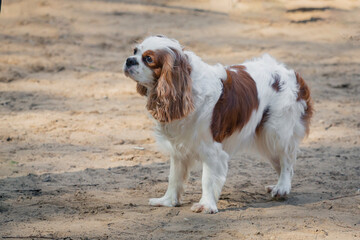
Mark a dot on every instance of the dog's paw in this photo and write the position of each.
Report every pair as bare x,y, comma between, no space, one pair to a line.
279,190
205,208
163,202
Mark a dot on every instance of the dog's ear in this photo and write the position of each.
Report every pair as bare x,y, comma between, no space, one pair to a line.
141,89
171,98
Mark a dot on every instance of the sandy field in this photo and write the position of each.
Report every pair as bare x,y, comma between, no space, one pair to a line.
77,155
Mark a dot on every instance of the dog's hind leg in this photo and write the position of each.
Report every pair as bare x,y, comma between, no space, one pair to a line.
283,186
282,156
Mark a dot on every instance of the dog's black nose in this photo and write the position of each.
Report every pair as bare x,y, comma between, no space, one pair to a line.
131,61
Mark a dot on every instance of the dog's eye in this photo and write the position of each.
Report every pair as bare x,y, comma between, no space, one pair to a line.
148,59
135,51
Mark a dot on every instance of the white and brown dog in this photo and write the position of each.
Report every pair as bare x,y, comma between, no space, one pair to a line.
207,113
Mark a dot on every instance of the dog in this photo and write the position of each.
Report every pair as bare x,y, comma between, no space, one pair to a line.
207,113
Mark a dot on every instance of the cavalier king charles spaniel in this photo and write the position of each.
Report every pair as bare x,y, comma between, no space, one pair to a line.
207,113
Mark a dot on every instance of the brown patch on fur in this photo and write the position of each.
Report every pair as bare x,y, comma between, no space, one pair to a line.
263,120
141,89
304,94
171,97
236,103
276,84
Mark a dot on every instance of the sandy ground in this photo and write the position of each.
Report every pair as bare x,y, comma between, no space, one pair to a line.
77,155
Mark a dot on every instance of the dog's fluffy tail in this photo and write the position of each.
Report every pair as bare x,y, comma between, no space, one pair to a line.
304,94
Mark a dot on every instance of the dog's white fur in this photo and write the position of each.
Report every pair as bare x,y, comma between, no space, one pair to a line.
190,139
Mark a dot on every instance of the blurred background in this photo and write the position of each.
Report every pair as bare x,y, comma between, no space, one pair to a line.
77,155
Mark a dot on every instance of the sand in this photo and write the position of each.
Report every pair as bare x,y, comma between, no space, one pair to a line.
78,158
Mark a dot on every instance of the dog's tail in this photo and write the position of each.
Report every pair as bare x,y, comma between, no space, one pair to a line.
304,94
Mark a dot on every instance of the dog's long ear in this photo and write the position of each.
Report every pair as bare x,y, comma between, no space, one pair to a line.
141,89
171,98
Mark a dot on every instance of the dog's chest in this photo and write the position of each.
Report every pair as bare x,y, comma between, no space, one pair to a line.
180,132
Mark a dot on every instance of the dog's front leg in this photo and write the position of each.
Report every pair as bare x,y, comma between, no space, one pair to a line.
215,167
179,168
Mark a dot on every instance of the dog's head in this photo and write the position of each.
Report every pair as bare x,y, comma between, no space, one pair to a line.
162,72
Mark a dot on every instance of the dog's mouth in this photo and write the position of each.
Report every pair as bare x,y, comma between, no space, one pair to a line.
129,72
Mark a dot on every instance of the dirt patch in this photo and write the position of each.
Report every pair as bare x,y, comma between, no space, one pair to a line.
77,155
